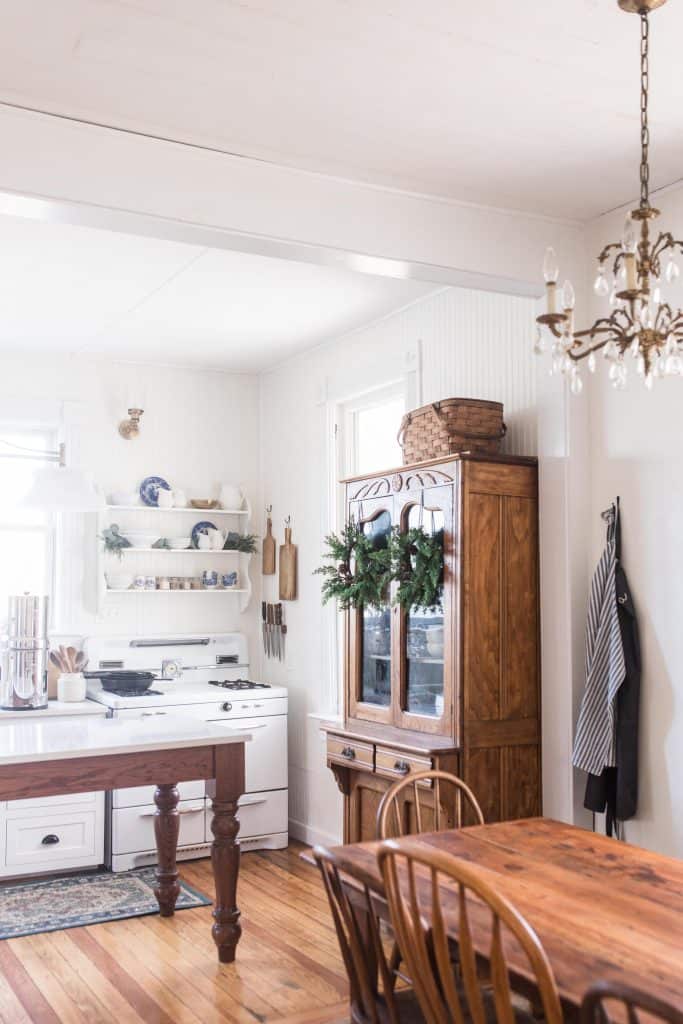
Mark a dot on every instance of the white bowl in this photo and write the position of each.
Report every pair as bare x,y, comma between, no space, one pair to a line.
119,580
123,498
141,538
179,543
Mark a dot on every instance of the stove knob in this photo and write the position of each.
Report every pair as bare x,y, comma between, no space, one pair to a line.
226,706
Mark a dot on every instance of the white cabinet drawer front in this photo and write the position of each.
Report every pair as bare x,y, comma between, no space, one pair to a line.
266,752
133,827
259,814
50,839
138,796
48,802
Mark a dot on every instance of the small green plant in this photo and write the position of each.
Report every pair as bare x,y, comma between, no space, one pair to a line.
114,543
245,543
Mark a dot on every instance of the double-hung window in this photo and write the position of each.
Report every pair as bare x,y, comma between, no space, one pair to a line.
27,535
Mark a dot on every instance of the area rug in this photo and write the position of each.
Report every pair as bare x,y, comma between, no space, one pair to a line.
50,904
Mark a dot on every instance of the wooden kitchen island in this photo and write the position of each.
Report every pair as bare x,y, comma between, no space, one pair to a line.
50,758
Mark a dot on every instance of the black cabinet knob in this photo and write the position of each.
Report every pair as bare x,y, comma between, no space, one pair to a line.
50,840
226,706
349,753
402,766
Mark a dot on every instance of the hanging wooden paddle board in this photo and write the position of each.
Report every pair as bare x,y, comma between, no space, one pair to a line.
288,567
268,551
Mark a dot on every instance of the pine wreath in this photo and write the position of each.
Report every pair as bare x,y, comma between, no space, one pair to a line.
359,569
417,558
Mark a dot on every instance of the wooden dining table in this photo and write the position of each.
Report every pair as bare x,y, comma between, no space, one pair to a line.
603,909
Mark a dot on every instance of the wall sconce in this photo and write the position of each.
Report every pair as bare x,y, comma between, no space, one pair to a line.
129,429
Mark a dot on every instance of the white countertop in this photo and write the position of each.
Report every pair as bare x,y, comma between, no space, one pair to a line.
26,741
60,708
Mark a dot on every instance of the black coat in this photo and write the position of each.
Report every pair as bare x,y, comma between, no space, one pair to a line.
615,790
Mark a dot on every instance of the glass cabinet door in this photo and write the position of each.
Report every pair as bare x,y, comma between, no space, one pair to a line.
371,637
426,633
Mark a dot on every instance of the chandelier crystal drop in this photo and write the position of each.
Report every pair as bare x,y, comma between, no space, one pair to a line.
631,276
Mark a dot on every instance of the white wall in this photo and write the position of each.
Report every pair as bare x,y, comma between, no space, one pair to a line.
198,429
637,453
460,343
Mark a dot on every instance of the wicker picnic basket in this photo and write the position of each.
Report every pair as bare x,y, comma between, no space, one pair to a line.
451,426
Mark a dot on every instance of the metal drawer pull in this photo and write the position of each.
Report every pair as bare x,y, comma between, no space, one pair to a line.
184,810
249,728
50,840
349,753
251,801
402,766
226,706
151,714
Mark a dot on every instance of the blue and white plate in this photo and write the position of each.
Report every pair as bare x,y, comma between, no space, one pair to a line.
149,490
198,528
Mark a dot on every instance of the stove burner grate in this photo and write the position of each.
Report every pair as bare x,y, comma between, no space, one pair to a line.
238,684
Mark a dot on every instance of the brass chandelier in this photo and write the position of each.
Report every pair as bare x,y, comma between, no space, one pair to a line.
640,324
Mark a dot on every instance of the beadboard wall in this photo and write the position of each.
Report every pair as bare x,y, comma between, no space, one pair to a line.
454,342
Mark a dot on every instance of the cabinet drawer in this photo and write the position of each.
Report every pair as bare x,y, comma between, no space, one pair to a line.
344,751
49,840
395,764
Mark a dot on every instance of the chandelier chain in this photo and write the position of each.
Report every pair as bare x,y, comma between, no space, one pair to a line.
644,126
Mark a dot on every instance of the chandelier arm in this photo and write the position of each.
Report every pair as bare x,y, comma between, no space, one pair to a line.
664,310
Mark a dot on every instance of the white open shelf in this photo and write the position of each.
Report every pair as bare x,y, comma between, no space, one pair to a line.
207,590
106,515
194,511
183,551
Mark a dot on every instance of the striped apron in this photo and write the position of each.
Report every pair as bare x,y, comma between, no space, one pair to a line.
595,743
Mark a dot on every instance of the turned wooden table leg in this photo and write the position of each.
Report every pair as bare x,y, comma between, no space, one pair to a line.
225,851
166,828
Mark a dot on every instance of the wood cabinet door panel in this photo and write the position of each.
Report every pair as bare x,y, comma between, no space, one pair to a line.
521,770
482,616
520,697
481,772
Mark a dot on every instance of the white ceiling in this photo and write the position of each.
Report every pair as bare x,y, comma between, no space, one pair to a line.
66,289
531,105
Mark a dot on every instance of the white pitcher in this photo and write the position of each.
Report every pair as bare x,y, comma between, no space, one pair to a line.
230,496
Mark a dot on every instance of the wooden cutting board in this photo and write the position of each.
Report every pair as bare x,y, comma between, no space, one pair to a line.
288,557
268,550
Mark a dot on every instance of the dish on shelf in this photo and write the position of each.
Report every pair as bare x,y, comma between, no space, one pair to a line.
118,580
202,527
179,543
149,490
141,538
203,503
123,498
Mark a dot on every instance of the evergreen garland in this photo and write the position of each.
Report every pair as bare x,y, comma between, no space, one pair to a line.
359,569
417,559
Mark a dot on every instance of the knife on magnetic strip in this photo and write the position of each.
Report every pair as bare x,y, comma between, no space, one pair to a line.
278,630
271,631
264,627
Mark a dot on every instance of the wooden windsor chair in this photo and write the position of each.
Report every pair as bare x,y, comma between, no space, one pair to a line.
429,812
413,875
373,997
626,1006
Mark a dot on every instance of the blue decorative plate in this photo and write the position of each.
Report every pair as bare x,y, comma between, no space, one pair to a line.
200,528
149,490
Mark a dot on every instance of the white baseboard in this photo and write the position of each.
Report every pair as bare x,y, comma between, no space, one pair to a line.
311,836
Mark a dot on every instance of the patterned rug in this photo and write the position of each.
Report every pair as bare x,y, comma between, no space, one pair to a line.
50,904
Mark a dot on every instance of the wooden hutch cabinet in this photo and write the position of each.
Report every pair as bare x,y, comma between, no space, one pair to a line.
457,688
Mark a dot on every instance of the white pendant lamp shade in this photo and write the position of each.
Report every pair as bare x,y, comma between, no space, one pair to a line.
58,488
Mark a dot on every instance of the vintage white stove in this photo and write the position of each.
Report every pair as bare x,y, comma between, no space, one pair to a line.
207,677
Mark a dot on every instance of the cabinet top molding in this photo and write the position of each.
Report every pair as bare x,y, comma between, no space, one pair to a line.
508,460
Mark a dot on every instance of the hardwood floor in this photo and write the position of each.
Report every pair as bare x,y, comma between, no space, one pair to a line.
151,970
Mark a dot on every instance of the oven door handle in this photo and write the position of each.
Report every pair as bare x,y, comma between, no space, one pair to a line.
184,810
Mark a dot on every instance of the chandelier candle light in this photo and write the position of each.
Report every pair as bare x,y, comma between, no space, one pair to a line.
629,271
